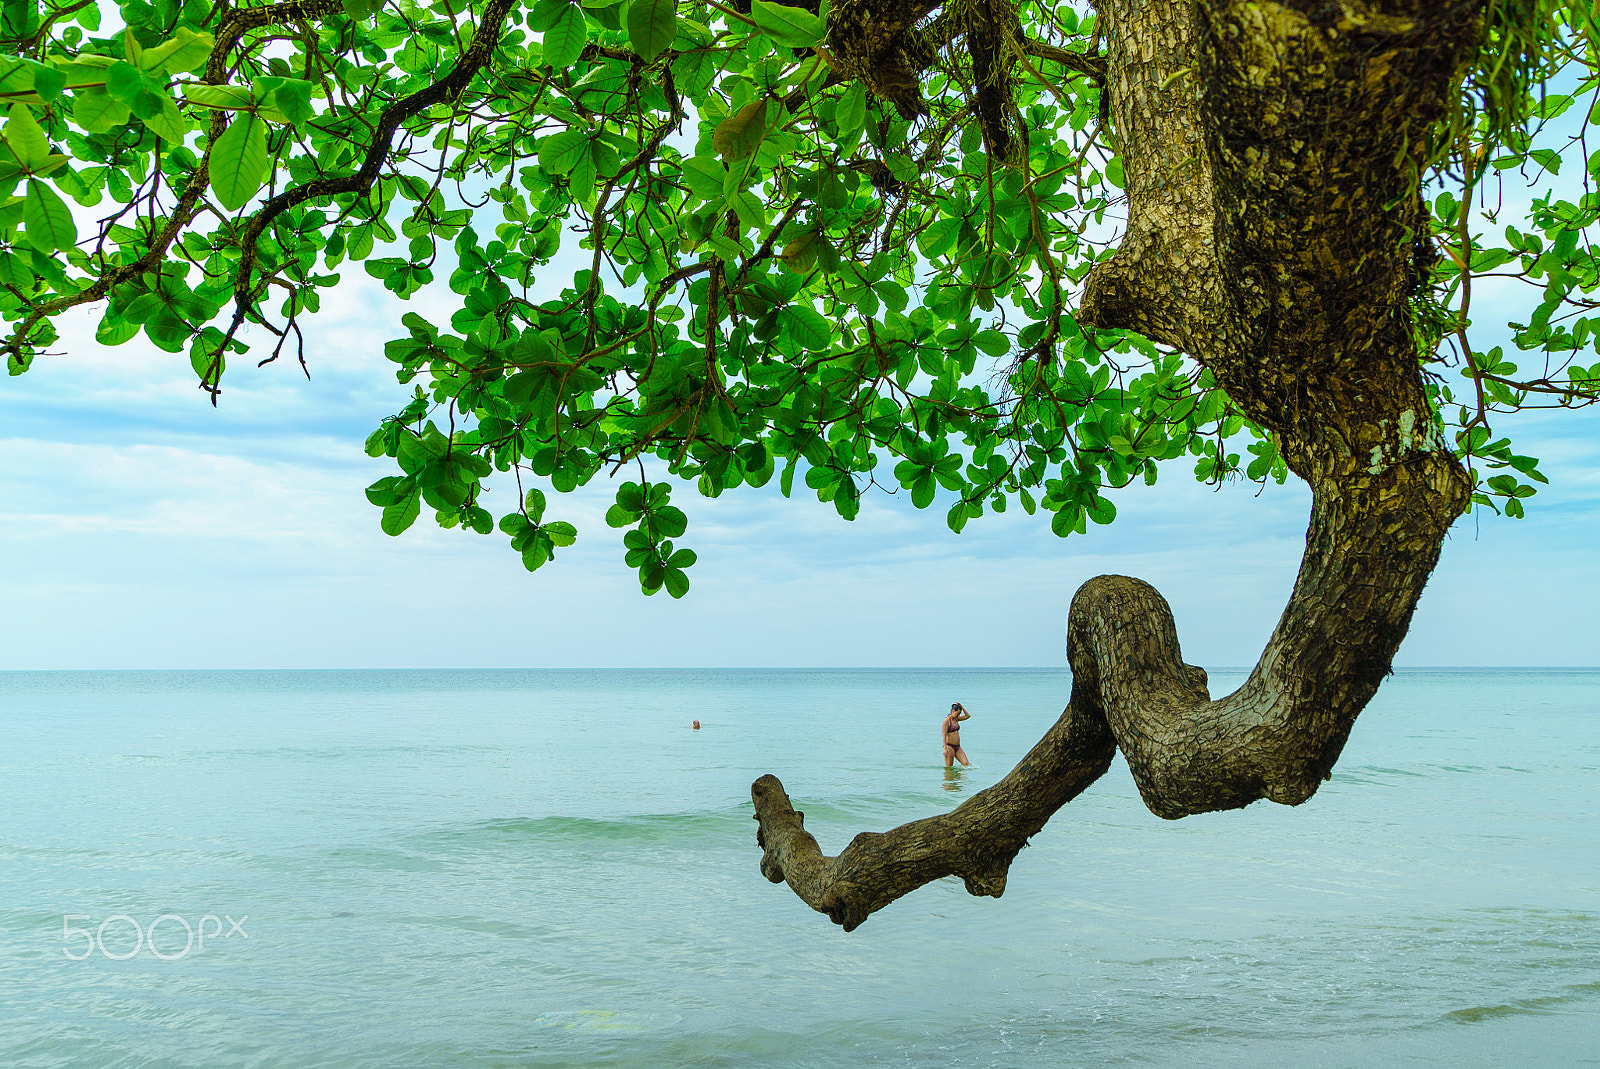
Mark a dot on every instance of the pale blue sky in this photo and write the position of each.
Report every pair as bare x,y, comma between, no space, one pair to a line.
144,529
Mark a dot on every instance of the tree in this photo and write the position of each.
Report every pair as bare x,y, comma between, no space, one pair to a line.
1017,252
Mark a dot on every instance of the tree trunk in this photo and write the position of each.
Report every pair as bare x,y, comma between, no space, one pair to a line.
1272,153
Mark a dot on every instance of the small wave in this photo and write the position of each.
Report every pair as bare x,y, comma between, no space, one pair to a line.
1377,773
491,926
605,1021
1537,1007
731,824
653,828
383,858
896,806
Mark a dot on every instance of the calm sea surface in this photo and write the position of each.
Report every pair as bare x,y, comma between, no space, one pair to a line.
551,869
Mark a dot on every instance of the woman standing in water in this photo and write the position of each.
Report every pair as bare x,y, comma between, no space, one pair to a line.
952,736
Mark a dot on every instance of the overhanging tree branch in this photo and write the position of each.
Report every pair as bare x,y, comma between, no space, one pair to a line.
977,841
235,24
477,53
1273,157
1267,237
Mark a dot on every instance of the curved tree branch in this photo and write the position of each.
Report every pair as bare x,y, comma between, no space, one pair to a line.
472,59
976,841
241,20
1091,66
466,68
1271,157
235,25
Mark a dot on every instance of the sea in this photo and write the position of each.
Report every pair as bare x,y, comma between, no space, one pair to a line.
361,869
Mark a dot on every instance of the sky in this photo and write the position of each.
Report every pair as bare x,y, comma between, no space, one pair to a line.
143,528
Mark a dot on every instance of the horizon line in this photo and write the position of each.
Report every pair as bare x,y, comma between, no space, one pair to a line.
772,668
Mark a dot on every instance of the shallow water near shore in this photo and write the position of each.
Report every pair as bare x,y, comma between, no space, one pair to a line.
553,869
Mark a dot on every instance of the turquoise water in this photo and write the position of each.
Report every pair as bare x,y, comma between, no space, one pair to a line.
552,869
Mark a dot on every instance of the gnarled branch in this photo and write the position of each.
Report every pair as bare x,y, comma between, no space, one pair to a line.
976,841
238,22
472,59
1268,153
1091,66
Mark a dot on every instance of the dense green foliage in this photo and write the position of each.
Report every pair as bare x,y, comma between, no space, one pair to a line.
681,247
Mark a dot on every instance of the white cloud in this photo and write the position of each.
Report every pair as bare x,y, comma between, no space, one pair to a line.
143,528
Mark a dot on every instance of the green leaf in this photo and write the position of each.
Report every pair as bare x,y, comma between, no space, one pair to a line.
740,134
23,80
114,331
47,218
390,490
560,153
677,582
564,40
992,342
168,123
806,326
939,238
851,112
669,522
207,363
1548,158
293,98
48,83
652,25
631,497
239,161
97,111
705,176
184,51
134,88
170,331
235,97
535,554
792,26
25,139
1101,510
398,517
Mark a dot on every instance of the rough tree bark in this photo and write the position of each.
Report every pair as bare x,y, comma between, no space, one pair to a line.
1271,152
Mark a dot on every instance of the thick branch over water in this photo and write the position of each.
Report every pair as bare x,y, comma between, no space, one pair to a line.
1270,151
976,841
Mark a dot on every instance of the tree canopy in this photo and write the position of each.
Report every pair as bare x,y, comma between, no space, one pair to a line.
1018,252
719,243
